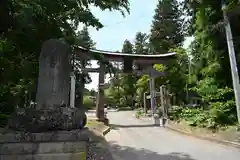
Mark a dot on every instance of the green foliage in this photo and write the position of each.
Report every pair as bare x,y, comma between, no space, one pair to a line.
210,91
141,44
166,31
217,114
174,112
127,82
139,113
27,24
83,39
88,102
202,70
159,67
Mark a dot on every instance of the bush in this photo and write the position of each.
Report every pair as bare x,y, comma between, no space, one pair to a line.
174,113
139,113
218,115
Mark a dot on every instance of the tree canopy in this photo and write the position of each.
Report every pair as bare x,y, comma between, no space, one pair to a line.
26,25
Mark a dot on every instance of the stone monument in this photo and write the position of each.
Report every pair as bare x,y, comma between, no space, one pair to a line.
52,111
51,129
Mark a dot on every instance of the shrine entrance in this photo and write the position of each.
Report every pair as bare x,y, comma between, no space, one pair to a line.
55,98
146,62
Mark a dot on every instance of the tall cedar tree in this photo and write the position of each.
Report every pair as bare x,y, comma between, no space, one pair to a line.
140,45
82,39
166,32
129,80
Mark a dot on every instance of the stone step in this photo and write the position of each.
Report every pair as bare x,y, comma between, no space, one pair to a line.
52,156
43,148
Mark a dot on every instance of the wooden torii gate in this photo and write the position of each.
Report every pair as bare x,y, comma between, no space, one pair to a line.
145,60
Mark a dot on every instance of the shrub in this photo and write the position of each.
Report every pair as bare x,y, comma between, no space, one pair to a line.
139,113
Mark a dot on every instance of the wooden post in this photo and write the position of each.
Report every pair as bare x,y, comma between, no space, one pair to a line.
162,100
100,96
152,94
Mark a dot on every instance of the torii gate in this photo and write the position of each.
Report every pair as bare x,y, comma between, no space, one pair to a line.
145,60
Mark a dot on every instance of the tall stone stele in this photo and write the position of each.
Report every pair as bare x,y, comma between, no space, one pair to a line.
54,75
52,111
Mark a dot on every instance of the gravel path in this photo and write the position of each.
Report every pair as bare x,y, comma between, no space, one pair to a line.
133,139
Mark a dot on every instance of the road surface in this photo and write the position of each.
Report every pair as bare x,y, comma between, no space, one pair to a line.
133,139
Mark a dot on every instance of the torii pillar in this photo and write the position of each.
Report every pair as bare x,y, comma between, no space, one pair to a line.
100,95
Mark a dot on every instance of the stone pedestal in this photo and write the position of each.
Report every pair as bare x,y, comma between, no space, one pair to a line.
163,122
36,120
61,145
156,120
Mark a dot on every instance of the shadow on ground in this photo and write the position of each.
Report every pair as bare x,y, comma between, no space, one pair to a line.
100,149
130,153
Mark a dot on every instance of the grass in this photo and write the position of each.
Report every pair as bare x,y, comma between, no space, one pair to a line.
97,144
95,125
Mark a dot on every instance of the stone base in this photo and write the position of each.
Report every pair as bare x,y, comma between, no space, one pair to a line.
156,121
163,122
52,156
56,136
106,121
36,120
61,145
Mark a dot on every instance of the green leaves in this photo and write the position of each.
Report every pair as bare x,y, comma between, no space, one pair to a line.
27,24
166,31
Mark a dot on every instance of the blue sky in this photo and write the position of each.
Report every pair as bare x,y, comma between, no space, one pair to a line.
118,28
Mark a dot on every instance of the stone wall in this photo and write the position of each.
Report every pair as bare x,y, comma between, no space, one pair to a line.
61,145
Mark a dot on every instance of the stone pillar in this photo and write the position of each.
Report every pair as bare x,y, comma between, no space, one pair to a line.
145,102
100,96
152,94
72,90
54,75
162,101
155,117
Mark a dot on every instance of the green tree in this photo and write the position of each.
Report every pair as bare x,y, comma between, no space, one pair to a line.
122,88
141,43
27,24
82,39
141,46
166,31
167,34
210,63
128,81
